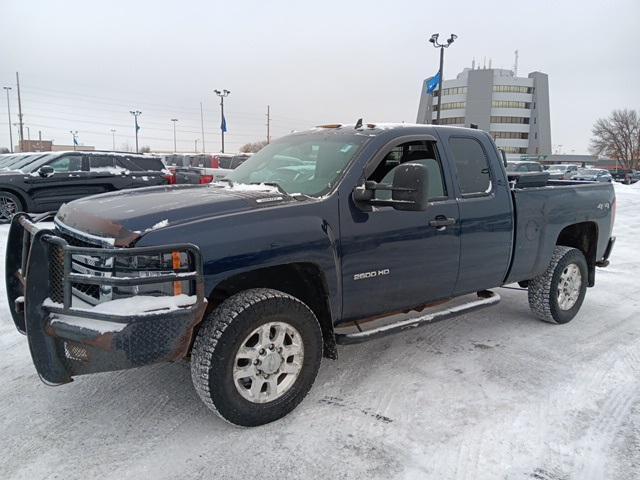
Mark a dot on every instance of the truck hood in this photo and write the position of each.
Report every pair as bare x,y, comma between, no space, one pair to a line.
123,217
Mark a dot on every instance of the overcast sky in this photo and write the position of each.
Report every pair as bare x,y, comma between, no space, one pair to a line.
84,65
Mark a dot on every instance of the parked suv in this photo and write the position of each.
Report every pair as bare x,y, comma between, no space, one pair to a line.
42,182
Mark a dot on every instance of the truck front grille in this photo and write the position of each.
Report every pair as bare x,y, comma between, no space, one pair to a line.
88,264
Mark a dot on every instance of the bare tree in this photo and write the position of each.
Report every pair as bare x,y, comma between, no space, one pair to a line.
145,149
618,137
253,147
4,150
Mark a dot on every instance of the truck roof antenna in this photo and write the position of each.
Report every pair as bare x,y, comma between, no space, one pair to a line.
358,124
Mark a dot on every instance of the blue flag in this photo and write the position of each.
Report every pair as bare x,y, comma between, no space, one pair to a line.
223,124
433,82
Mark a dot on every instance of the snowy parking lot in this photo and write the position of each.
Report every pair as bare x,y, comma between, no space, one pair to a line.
494,394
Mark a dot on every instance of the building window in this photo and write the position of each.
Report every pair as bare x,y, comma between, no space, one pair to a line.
510,135
512,89
454,91
452,121
452,105
520,150
510,104
471,165
502,119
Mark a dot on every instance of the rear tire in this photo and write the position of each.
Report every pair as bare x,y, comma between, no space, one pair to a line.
9,206
556,295
258,338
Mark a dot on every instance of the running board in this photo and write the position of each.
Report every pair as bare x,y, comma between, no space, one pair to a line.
486,298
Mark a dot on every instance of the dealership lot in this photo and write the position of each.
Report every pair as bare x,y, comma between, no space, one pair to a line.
494,394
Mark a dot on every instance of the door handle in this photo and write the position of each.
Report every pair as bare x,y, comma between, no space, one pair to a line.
441,222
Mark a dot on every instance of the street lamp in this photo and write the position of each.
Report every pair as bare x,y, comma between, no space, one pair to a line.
9,113
174,120
223,122
74,134
441,46
113,139
136,114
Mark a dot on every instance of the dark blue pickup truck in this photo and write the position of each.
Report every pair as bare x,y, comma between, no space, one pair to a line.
335,235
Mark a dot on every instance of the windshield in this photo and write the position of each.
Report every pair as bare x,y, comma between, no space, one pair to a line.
587,171
19,161
516,167
309,164
31,164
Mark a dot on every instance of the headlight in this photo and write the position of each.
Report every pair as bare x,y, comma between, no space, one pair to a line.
153,266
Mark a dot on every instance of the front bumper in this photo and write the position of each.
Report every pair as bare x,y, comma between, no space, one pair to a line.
68,338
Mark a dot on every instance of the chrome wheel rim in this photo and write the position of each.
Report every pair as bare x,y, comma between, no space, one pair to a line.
268,362
569,286
8,208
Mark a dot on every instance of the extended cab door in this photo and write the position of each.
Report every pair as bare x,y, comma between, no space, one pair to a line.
486,216
394,260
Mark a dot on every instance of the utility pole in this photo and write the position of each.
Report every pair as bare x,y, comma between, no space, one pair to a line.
9,114
136,114
113,139
175,148
441,46
19,110
196,143
223,121
74,134
202,126
268,124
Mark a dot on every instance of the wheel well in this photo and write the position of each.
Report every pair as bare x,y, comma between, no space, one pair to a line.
304,281
584,237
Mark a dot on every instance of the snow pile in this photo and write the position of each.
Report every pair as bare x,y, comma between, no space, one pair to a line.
161,224
245,187
141,304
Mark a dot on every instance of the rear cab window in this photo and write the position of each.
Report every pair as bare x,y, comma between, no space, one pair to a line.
472,166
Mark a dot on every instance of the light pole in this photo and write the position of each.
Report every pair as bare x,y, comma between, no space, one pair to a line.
441,46
136,114
175,148
196,143
113,139
223,121
9,113
74,134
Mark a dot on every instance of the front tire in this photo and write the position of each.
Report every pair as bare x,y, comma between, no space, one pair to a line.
256,356
556,295
9,206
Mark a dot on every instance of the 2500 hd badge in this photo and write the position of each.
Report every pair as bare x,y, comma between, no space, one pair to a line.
375,273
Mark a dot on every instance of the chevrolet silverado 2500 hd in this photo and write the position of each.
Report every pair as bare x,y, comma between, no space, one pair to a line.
334,235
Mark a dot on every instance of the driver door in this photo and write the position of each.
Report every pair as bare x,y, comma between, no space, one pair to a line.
394,260
68,182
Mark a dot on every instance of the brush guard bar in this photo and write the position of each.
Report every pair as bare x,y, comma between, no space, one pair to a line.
65,340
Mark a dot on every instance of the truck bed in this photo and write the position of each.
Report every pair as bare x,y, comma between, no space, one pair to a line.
542,213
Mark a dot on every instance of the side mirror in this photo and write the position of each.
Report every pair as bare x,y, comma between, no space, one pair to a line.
409,190
46,171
